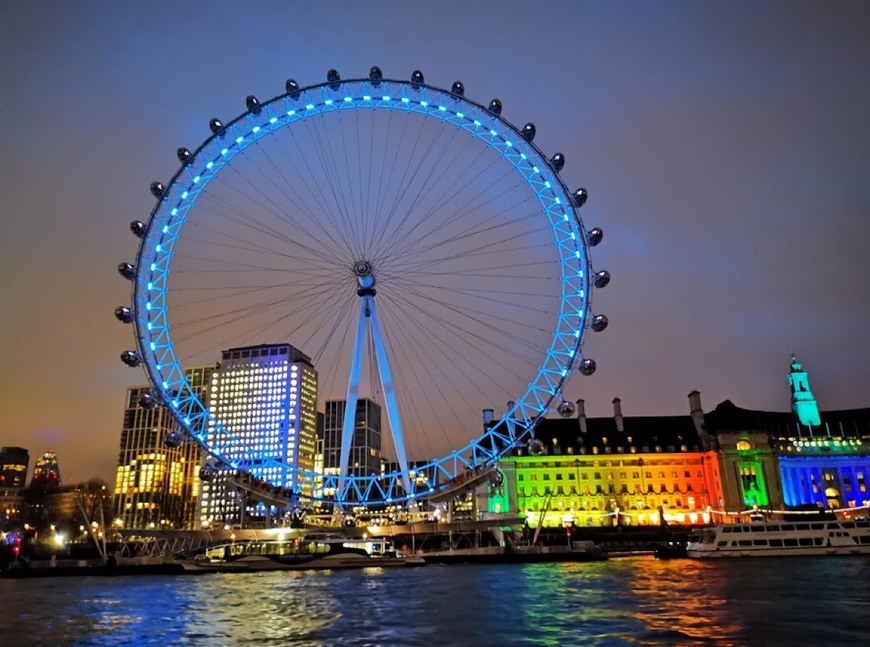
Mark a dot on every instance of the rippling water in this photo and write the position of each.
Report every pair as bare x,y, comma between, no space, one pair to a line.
790,601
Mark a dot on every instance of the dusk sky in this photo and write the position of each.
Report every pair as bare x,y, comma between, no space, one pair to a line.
725,148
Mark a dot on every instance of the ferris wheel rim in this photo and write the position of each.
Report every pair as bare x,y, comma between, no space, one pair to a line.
497,440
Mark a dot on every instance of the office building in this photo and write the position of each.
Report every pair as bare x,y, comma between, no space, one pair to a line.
14,462
157,485
265,399
46,472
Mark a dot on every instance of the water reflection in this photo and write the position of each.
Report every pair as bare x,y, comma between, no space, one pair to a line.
621,602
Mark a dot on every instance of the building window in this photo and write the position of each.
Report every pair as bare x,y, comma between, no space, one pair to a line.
743,446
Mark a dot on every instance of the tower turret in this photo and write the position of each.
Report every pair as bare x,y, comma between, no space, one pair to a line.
803,403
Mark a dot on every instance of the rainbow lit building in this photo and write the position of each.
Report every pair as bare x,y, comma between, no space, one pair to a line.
595,471
690,469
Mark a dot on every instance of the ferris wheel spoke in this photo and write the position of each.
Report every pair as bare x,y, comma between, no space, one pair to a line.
414,164
336,185
467,179
298,197
469,253
430,290
466,205
428,182
246,219
314,185
475,342
408,358
445,266
490,224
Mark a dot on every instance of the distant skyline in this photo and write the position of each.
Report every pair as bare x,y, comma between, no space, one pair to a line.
725,148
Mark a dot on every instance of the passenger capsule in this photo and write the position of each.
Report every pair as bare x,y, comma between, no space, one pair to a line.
183,155
416,79
536,447
124,314
528,132
579,197
602,278
599,323
496,478
131,358
127,271
253,104
216,127
157,189
173,440
595,235
587,367
566,408
375,74
495,107
138,228
458,88
207,472
334,79
557,162
147,401
292,88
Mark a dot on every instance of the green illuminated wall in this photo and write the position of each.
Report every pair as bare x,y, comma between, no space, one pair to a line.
753,488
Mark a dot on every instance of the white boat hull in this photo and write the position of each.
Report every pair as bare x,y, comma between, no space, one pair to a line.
782,539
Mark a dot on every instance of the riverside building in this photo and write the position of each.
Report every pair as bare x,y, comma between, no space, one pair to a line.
157,485
265,397
46,472
365,448
691,469
603,471
14,462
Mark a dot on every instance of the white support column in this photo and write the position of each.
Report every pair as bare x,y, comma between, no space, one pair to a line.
352,396
390,400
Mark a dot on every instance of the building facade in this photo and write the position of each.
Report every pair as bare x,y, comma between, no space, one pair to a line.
608,471
265,398
365,448
156,485
690,469
46,471
14,462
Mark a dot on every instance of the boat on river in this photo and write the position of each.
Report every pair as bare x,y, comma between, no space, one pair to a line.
782,538
316,551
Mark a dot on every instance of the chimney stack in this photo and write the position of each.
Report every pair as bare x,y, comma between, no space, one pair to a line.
581,415
695,402
697,413
617,414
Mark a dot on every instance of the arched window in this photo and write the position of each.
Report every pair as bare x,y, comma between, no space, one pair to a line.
744,446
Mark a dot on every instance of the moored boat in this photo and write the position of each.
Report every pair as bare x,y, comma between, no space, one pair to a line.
774,539
310,552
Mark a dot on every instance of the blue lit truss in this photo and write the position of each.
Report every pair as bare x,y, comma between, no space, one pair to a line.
154,263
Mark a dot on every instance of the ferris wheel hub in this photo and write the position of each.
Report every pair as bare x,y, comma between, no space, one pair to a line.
365,278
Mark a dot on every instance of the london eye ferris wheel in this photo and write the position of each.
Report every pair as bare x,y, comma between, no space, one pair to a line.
419,247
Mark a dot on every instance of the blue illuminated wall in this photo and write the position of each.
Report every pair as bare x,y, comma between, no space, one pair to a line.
825,480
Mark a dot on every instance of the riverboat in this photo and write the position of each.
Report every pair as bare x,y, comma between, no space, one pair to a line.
310,552
783,538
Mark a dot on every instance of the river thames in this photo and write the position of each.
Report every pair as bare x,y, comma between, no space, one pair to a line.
631,601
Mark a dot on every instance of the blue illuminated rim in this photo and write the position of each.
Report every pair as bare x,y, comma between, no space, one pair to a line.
153,268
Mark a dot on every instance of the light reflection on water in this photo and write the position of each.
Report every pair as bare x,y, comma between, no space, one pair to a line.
797,601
